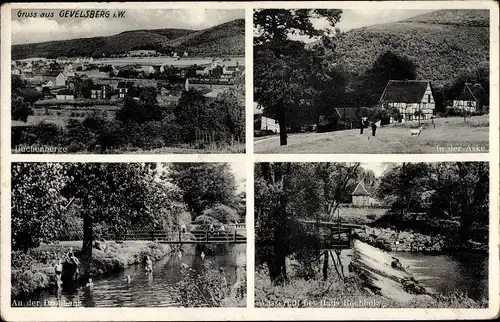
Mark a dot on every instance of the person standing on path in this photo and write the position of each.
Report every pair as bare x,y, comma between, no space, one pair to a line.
374,128
361,125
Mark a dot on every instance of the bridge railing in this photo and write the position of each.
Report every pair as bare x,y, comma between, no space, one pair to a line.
187,237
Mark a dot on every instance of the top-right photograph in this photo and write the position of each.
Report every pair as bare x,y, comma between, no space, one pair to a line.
381,81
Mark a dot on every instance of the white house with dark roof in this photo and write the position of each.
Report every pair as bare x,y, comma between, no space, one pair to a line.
472,98
413,98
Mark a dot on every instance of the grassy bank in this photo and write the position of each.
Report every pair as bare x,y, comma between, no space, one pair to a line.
335,293
35,270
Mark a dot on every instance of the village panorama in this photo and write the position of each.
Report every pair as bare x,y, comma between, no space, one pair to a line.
140,91
417,82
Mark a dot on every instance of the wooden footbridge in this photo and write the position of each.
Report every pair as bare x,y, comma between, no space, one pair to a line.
333,234
189,237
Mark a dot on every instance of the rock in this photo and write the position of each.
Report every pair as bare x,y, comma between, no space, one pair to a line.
367,290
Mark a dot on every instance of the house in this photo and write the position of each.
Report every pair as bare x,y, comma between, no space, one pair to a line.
472,98
349,117
123,88
364,196
100,92
185,54
413,98
202,70
263,123
49,84
61,79
62,59
65,94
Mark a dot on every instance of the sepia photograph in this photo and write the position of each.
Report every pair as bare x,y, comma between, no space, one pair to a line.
128,81
372,235
128,235
371,80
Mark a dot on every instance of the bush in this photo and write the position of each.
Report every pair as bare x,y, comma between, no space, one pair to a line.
208,288
28,281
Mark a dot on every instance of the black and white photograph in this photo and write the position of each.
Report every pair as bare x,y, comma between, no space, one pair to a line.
146,81
128,235
370,80
372,235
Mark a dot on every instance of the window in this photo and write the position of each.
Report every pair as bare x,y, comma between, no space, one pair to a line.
428,98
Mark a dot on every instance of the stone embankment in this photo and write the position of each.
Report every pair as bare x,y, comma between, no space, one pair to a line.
404,241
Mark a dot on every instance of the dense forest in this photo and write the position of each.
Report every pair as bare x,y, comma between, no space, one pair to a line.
223,40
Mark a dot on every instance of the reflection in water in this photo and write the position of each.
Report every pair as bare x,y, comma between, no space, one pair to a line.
157,289
464,272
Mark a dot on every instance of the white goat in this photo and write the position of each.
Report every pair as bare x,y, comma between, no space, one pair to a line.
416,132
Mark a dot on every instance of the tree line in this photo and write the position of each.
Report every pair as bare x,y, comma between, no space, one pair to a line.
143,123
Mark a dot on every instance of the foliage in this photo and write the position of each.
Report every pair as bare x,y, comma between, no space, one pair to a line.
459,40
285,71
37,205
444,193
387,66
20,110
223,213
208,288
203,185
286,193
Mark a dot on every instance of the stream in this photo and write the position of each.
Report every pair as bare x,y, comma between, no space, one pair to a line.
445,273
144,290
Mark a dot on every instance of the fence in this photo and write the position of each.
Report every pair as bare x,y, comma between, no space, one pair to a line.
192,237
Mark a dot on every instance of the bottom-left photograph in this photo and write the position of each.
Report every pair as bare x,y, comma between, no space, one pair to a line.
128,235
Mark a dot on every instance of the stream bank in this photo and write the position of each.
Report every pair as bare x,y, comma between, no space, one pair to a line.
35,271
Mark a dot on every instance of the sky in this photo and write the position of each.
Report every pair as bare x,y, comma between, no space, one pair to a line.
39,29
356,18
377,167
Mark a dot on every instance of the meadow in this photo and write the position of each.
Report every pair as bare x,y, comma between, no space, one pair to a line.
446,135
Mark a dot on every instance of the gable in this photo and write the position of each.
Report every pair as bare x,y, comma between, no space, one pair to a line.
360,190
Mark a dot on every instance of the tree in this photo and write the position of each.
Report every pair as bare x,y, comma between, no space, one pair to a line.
456,192
286,194
277,79
388,66
203,185
37,205
116,193
191,113
20,110
223,213
144,110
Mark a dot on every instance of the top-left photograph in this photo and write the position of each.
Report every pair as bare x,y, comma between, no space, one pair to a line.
111,81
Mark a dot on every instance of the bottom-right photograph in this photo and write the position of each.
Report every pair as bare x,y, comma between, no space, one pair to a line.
371,234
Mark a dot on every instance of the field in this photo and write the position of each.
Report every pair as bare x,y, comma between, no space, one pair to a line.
184,62
450,135
361,216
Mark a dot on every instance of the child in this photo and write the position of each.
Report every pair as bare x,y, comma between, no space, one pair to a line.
149,265
89,284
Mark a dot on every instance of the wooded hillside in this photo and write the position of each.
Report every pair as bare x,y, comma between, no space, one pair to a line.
442,44
222,40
